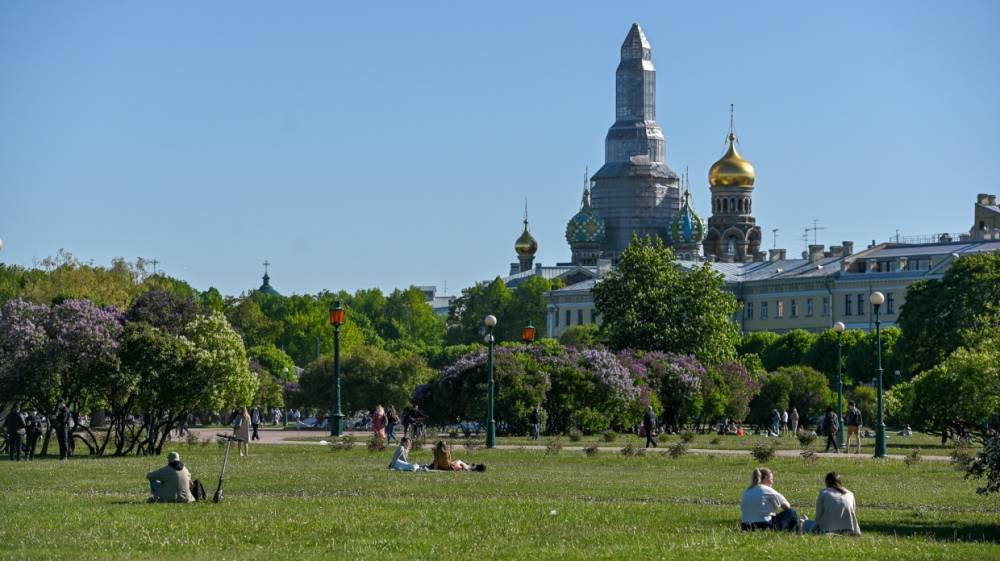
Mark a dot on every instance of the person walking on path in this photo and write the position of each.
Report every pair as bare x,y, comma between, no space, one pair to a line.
379,422
836,512
241,430
793,420
830,426
62,425
392,419
255,422
536,423
649,425
854,423
16,428
33,424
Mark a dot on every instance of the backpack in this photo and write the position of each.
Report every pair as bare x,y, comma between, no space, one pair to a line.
198,490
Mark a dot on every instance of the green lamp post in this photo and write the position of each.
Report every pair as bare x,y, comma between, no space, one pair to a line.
491,425
337,318
839,328
876,299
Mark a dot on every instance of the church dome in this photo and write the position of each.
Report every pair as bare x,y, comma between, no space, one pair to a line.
687,227
586,226
732,170
526,244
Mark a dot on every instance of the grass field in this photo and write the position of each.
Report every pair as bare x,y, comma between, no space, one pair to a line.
308,502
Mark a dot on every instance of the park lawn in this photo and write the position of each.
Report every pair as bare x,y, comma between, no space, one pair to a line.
310,502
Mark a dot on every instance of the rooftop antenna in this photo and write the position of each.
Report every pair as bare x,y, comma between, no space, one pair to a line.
815,228
805,238
774,232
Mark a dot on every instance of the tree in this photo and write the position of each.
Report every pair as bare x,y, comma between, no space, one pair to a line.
274,361
939,314
163,309
774,394
788,349
741,387
650,303
582,336
809,390
860,362
756,342
823,354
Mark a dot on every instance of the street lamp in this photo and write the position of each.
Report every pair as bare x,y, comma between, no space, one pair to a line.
337,318
528,333
839,328
491,426
876,299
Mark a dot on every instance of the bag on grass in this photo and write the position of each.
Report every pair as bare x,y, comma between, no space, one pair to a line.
198,490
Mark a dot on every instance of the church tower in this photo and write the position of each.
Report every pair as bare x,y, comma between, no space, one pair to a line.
585,231
525,246
635,192
687,229
733,235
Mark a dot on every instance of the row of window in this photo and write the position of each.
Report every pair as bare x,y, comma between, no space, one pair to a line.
861,301
579,317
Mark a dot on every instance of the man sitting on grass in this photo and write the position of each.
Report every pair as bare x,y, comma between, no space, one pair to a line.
171,483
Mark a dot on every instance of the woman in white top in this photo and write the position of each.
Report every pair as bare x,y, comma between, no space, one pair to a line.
763,508
400,461
835,508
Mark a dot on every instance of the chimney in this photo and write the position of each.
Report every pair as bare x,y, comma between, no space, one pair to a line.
777,254
760,256
836,251
815,253
848,248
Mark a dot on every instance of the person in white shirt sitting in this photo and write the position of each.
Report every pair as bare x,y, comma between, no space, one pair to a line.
763,508
400,460
835,509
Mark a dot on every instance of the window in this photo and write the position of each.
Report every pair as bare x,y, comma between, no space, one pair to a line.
569,319
557,318
861,304
890,304
763,310
579,317
749,310
809,307
795,308
826,306
781,309
847,304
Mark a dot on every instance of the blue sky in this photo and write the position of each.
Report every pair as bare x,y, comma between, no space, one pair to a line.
378,144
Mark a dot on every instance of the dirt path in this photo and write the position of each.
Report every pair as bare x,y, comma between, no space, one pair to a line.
278,436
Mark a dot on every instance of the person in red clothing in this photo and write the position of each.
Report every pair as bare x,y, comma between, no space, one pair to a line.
379,422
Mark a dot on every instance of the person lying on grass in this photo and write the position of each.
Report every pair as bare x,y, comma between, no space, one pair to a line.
443,461
763,508
400,458
171,483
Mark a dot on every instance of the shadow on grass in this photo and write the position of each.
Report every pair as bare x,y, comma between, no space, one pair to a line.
989,533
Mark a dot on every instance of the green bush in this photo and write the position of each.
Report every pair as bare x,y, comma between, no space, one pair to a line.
764,451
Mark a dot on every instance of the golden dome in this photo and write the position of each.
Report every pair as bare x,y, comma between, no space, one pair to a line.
526,244
732,170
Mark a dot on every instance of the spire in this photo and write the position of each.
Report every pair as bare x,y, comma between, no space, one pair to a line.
266,277
526,214
732,125
636,46
585,203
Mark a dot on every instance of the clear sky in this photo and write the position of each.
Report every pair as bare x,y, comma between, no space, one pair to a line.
359,144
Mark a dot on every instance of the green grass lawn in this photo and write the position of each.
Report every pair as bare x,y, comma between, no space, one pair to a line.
310,502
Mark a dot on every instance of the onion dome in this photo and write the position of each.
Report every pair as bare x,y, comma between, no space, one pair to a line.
586,226
732,170
687,227
526,244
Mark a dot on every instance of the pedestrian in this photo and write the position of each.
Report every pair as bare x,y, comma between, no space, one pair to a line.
16,428
793,419
836,511
775,422
255,422
407,421
62,424
784,420
392,419
854,422
536,423
829,427
241,430
649,425
379,422
763,508
34,430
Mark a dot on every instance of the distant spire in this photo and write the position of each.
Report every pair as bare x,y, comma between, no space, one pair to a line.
526,214
266,265
585,203
732,123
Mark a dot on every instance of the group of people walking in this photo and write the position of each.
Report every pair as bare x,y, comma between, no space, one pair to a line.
762,507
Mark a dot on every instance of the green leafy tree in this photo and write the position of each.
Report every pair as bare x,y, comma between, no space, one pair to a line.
823,354
809,392
860,362
582,336
756,342
512,308
939,315
650,303
274,361
773,395
212,299
789,349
